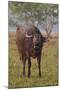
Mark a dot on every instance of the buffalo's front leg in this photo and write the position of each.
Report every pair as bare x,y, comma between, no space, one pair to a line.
39,64
29,67
24,63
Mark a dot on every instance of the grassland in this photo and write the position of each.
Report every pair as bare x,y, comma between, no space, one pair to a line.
49,66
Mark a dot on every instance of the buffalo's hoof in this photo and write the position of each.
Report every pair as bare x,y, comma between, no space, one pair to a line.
28,76
39,75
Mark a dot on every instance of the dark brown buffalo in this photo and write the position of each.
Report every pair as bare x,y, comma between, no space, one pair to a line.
29,42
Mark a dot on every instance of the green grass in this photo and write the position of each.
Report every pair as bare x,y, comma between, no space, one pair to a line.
49,66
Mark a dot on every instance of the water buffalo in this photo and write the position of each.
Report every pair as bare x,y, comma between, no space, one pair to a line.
29,42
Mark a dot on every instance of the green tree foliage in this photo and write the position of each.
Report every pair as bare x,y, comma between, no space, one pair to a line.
32,12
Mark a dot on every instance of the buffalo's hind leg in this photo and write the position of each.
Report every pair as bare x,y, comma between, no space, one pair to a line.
29,67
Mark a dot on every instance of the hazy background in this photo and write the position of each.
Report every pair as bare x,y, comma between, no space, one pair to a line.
44,16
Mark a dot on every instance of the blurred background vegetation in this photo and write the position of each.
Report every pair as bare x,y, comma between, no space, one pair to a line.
42,15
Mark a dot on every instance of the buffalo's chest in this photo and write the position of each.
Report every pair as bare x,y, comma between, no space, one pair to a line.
27,44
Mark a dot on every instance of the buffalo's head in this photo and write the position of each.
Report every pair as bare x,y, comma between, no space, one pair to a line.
37,45
37,41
